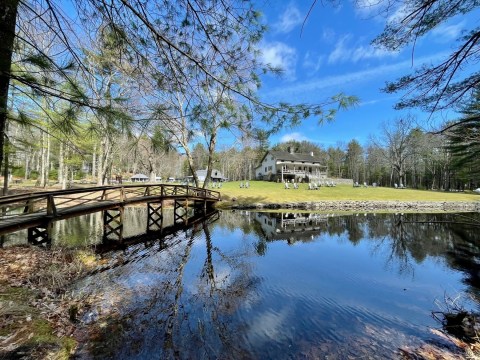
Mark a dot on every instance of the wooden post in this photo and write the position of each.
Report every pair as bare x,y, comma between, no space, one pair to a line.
104,195
51,209
40,235
155,216
28,207
180,211
113,224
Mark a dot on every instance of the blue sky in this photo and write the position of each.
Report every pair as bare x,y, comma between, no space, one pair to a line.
333,55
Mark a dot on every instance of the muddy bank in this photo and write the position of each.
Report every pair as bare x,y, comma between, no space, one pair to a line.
369,205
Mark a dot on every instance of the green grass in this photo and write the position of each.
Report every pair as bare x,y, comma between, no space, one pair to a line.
270,192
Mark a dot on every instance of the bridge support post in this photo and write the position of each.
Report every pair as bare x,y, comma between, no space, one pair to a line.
180,211
113,224
40,235
155,216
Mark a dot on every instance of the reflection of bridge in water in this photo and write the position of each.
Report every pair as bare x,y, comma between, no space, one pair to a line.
195,223
38,211
280,226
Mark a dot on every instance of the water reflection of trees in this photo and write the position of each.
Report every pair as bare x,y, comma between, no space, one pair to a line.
186,312
408,238
193,305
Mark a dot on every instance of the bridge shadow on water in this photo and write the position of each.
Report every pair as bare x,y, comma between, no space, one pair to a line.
194,223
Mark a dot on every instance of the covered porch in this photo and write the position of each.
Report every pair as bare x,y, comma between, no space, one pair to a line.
300,171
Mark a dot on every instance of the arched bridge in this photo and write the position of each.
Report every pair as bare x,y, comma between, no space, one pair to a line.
37,211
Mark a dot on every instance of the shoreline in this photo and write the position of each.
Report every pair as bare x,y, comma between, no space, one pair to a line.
364,205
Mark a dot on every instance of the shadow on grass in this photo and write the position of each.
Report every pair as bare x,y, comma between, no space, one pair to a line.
228,201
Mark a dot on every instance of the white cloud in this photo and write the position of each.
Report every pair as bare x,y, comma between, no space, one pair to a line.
328,35
280,55
268,326
341,52
369,52
289,20
344,51
313,86
293,136
312,62
369,8
447,33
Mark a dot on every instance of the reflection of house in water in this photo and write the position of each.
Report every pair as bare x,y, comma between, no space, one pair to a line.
291,227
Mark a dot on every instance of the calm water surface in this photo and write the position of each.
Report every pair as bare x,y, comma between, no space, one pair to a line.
283,286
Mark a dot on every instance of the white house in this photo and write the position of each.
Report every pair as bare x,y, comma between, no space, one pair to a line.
216,176
139,178
288,166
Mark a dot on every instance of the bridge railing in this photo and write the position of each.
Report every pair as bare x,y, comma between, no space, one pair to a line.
51,201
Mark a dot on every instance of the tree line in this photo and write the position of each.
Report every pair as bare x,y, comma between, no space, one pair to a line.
95,88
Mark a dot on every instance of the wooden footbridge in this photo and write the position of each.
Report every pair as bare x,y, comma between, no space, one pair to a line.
37,211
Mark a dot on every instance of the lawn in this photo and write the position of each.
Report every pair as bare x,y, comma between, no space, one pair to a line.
270,192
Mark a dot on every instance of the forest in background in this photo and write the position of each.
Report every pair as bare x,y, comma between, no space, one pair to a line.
98,89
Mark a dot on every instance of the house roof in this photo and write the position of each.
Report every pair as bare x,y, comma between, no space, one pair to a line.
203,173
298,157
140,176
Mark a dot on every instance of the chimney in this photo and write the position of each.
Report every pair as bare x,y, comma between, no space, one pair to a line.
311,154
290,150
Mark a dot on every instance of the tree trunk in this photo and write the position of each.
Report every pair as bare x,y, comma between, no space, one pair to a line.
8,19
61,164
47,160
65,171
94,161
5,168
41,176
211,150
191,166
103,159
27,163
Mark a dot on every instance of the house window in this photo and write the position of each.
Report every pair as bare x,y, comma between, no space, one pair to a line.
271,158
266,169
269,168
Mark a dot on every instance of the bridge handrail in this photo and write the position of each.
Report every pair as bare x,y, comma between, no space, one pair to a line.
146,190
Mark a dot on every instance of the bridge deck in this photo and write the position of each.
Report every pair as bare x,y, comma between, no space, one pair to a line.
37,209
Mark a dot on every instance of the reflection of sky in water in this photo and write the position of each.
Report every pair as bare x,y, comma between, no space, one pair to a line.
317,296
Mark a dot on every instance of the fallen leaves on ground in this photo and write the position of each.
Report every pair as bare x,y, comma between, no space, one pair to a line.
33,299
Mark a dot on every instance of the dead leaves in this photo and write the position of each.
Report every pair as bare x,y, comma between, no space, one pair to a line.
33,284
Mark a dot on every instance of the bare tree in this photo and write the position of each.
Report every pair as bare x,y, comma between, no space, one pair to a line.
394,142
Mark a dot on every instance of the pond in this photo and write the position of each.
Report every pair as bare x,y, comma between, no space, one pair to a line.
259,285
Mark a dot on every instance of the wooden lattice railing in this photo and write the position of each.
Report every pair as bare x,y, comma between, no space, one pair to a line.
49,202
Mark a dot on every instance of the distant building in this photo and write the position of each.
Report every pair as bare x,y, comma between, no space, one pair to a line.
139,177
288,166
216,176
